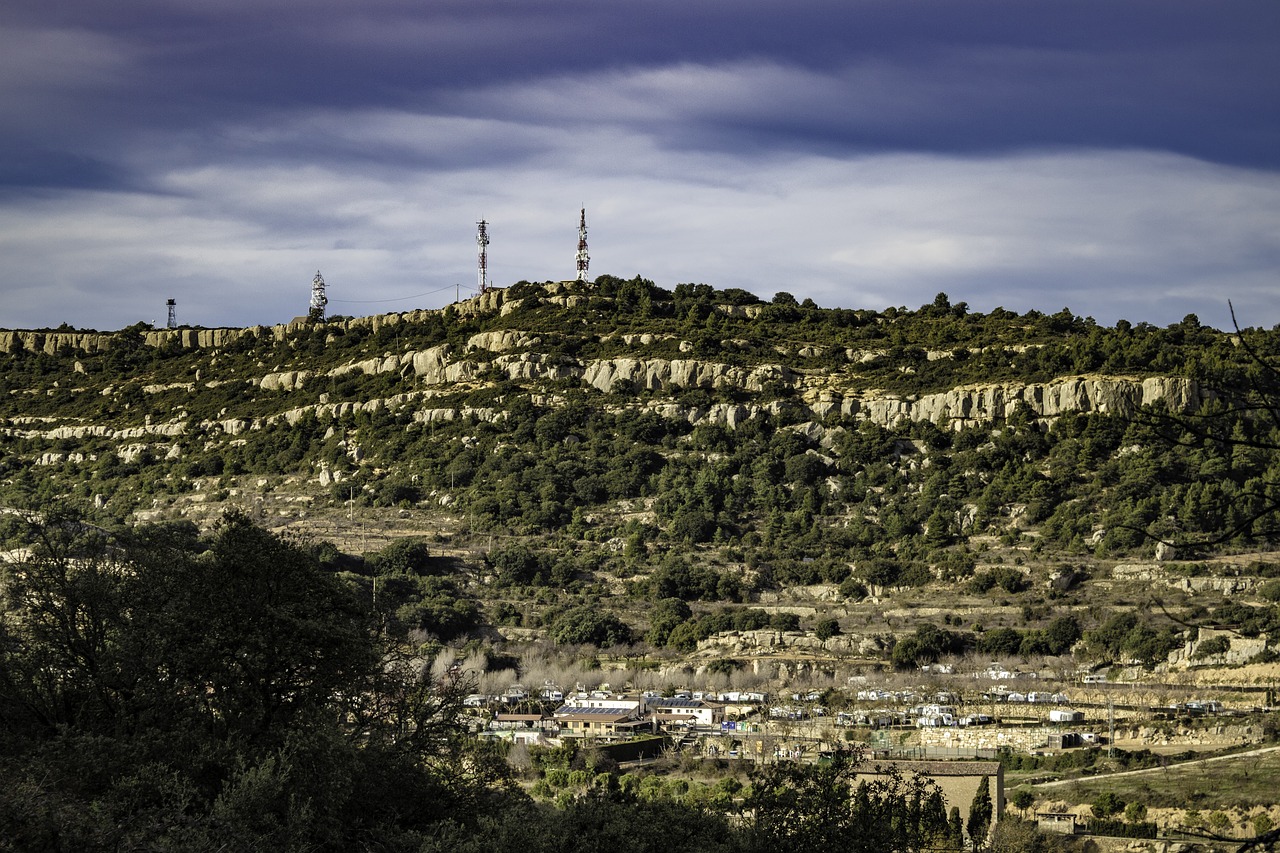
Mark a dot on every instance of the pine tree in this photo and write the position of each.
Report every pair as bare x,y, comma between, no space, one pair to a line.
955,829
980,814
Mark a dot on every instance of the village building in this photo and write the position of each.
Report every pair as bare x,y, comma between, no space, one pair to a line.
529,729
604,719
688,712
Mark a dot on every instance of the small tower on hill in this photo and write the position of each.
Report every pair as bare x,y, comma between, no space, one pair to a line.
583,258
482,241
318,299
172,305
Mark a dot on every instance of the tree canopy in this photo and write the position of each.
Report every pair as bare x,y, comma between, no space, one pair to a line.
159,688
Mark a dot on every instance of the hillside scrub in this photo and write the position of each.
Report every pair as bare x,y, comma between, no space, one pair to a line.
767,445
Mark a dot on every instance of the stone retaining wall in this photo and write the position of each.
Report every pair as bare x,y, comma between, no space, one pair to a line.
986,737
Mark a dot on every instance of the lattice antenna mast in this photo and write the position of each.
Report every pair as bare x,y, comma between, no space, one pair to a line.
318,299
482,241
583,258
173,319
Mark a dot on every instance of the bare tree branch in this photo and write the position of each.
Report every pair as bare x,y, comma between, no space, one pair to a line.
1217,422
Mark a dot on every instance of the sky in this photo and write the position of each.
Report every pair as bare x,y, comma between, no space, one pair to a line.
1117,158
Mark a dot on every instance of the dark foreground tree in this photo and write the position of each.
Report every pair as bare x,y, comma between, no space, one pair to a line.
818,809
159,689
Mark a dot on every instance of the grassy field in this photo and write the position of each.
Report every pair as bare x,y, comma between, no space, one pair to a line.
1241,782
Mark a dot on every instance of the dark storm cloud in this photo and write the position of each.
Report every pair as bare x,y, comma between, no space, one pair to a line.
864,153
1194,78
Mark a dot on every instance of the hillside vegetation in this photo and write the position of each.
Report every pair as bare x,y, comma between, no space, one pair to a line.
669,463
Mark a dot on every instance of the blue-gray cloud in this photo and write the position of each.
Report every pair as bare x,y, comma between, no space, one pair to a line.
1119,158
926,76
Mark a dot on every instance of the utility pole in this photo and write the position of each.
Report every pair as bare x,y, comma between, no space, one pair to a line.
1111,727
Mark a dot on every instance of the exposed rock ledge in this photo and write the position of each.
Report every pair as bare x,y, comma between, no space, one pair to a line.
959,407
973,404
987,403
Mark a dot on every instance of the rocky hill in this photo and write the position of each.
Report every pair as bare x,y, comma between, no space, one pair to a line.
689,460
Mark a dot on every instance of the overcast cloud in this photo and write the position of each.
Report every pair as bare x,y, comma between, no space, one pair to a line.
1121,159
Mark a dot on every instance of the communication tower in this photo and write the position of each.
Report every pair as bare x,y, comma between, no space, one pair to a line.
173,320
318,299
482,241
583,258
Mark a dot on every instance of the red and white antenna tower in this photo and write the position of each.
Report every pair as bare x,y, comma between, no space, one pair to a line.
482,240
583,258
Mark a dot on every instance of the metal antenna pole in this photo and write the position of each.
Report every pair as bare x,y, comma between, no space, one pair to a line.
583,258
482,241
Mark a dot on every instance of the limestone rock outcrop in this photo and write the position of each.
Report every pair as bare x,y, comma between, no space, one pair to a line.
288,380
501,341
657,374
980,404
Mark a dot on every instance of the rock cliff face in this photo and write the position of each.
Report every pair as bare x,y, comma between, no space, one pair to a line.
1238,650
826,394
989,403
289,380
502,341
51,343
168,429
957,408
656,374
